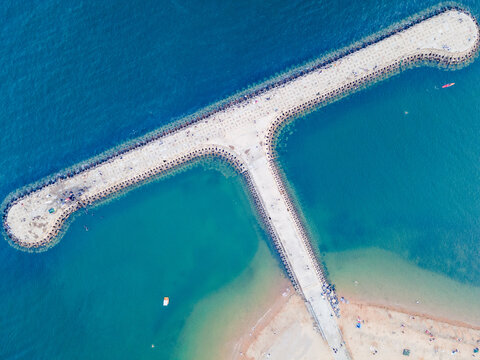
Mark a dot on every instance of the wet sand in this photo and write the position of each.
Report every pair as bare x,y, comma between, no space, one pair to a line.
215,323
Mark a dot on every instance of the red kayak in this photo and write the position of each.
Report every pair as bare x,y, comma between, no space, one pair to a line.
447,85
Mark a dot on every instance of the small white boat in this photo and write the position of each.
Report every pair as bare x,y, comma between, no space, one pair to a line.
166,300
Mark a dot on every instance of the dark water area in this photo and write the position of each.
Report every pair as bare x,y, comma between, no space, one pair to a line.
78,79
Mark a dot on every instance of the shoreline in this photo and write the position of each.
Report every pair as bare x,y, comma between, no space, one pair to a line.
288,311
381,328
217,321
383,278
252,332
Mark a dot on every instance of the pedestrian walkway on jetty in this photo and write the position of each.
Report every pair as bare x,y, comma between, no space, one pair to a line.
243,132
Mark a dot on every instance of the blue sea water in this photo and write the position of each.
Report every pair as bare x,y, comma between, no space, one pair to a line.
77,78
99,294
402,174
396,168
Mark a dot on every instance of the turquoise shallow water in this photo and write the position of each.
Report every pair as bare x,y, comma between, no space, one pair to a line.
99,294
382,277
400,174
77,79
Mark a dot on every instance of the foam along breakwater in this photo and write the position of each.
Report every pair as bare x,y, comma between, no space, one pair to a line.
243,132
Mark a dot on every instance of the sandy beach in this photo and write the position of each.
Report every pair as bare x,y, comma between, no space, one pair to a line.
284,331
288,332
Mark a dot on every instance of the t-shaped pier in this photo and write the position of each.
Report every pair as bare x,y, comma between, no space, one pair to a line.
243,132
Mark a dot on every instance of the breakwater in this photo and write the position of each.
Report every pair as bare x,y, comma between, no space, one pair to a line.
243,132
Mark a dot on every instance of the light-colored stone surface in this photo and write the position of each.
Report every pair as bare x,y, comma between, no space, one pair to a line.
243,130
